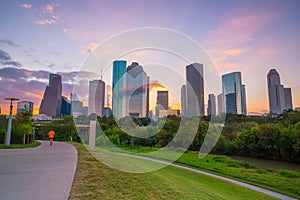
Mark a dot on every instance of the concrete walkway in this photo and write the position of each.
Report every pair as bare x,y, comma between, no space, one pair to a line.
256,188
45,172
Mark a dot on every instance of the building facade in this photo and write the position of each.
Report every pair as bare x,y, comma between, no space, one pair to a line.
162,101
234,96
96,97
195,90
51,102
211,109
119,70
135,91
221,109
25,105
288,99
183,100
280,98
65,106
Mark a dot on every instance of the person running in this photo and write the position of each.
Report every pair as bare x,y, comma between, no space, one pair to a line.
51,135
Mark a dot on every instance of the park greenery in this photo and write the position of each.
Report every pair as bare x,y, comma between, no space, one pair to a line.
21,125
274,137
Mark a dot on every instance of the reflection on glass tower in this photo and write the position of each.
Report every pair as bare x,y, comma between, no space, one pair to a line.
234,96
195,90
119,69
135,91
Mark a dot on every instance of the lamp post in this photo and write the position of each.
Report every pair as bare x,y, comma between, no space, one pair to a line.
9,120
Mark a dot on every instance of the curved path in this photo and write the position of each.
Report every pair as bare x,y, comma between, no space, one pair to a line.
256,188
45,172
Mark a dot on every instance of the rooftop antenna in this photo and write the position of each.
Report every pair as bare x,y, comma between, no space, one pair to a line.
101,75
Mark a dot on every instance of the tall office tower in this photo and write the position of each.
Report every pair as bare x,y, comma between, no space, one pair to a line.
232,93
148,96
183,100
195,90
51,102
275,92
288,99
135,91
211,109
220,104
162,101
96,97
76,105
25,105
65,106
119,69
244,102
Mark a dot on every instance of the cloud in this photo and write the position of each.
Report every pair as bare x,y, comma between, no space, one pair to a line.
46,21
64,30
48,8
26,5
90,47
233,52
50,17
5,59
30,85
9,43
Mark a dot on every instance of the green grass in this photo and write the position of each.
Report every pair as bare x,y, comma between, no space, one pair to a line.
283,181
94,180
20,146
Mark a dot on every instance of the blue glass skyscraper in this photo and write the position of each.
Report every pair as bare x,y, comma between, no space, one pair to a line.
234,93
119,69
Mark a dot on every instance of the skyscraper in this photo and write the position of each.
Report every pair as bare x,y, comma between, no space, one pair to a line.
162,101
211,109
220,104
51,102
119,69
183,100
96,97
288,98
195,90
25,105
135,91
234,95
65,106
275,92
244,102
148,96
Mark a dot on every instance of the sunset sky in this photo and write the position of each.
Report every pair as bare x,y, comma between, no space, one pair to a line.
40,37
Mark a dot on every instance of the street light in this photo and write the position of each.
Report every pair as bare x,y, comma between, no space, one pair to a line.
9,120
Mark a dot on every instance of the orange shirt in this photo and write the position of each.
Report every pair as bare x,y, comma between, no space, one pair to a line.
51,134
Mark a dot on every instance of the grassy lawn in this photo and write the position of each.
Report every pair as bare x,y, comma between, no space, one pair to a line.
276,178
94,180
19,146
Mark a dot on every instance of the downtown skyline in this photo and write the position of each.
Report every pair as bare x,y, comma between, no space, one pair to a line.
55,37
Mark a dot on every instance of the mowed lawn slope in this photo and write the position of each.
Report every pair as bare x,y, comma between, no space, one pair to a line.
94,180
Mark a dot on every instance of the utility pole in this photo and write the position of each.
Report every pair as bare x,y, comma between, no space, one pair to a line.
8,134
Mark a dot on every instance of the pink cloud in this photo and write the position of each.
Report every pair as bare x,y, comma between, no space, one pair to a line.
48,8
26,5
45,21
239,30
90,47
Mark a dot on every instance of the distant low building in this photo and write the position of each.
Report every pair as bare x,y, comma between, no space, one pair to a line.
165,113
25,105
41,117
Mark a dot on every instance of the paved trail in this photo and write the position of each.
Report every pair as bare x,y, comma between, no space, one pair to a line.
45,172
